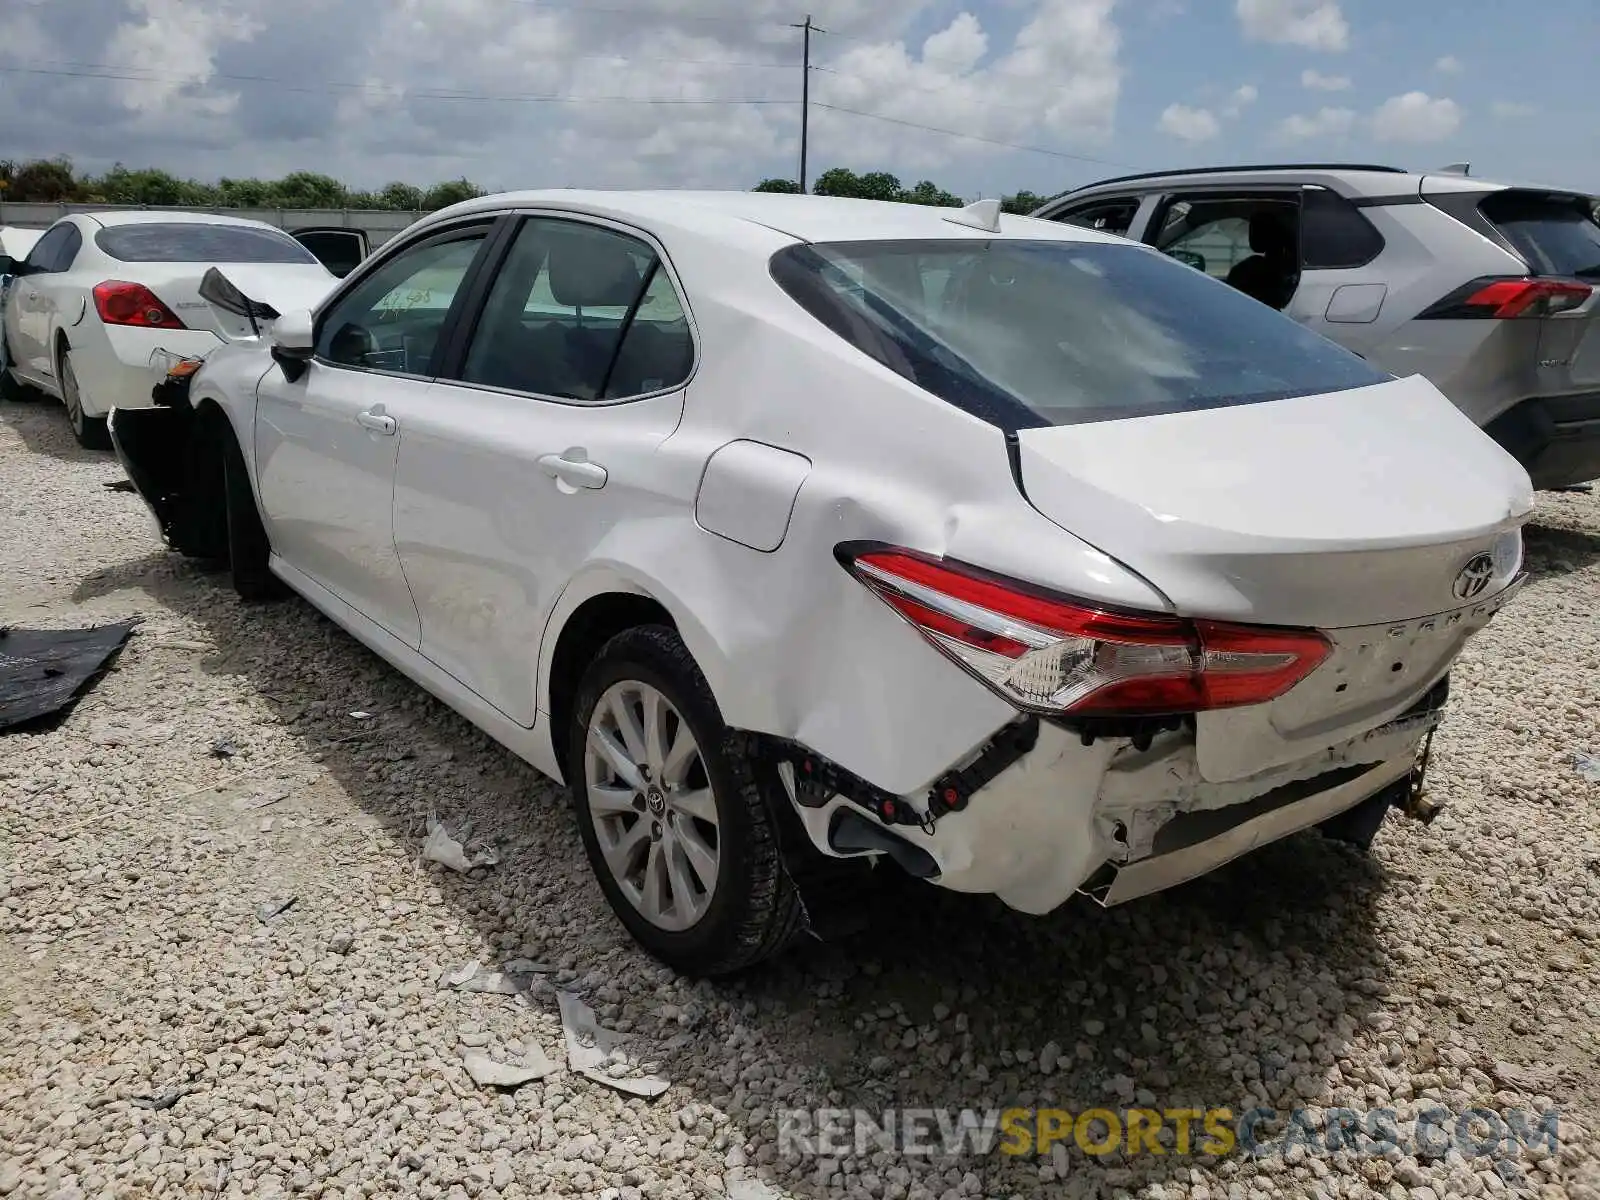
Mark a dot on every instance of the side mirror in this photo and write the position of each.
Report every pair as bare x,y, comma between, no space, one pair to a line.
293,343
8,265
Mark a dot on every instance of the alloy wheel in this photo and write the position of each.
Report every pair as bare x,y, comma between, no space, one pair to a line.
652,805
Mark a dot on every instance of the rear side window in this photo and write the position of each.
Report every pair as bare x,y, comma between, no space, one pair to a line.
1554,235
1334,234
1031,333
159,241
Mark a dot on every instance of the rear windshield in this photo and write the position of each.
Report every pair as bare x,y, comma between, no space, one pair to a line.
1030,333
199,242
1555,235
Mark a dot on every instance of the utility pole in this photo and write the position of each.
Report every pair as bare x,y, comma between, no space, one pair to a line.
805,93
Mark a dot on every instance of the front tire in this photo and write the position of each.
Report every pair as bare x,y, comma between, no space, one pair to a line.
249,551
677,829
91,432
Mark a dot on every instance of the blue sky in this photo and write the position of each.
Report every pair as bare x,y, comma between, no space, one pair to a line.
704,93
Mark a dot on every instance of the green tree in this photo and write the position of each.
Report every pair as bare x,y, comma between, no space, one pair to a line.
1022,203
43,181
307,189
929,193
403,196
442,195
841,181
787,186
245,193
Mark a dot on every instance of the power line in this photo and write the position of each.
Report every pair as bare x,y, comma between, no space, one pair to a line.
388,90
970,137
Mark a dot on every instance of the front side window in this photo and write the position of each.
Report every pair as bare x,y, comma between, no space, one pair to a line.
199,241
392,319
580,312
1031,333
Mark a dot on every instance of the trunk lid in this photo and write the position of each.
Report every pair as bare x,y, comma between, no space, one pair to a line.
1355,512
284,287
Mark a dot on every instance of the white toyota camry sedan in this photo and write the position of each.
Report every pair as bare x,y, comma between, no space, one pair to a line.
100,291
792,532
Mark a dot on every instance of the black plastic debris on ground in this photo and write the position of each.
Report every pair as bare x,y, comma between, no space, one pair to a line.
43,672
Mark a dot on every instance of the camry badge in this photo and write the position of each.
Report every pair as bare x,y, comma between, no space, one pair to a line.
1474,577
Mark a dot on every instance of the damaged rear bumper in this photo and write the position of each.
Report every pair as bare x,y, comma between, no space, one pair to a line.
1191,844
1106,816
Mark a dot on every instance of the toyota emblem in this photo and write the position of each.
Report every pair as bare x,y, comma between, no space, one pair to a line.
1474,577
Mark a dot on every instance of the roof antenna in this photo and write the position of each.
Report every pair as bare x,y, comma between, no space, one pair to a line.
1456,169
983,214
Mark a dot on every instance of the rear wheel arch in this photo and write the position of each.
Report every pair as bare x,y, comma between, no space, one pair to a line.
594,622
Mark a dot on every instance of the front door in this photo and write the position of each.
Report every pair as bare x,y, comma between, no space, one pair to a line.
29,302
326,443
542,443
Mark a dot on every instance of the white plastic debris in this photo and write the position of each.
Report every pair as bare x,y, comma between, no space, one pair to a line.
596,1053
513,977
751,1189
489,1072
1588,766
361,716
441,847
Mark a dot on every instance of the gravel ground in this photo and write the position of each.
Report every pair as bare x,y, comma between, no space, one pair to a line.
317,1052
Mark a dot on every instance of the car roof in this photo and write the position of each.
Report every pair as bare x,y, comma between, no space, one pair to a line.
1365,180
798,217
155,216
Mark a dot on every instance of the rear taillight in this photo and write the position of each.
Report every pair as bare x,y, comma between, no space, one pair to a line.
1505,299
122,303
1047,654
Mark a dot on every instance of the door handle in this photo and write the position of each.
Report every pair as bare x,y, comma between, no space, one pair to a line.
574,469
378,422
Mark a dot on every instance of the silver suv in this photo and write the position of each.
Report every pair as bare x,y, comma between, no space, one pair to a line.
1491,291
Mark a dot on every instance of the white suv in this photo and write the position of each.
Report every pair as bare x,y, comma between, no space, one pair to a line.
1489,290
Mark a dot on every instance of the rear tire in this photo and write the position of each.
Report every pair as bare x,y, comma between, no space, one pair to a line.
700,812
249,551
91,432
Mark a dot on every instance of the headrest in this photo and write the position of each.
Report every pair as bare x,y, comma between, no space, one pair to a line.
1270,232
592,272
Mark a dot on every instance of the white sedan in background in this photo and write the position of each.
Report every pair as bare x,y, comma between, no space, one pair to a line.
98,292
793,532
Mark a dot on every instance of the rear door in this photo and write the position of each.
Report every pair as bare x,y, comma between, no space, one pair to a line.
326,443
543,441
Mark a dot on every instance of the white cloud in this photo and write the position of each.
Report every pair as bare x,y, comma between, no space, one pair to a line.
667,93
1316,81
1510,110
1189,124
1448,65
1314,24
1416,117
1243,96
184,39
1325,123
